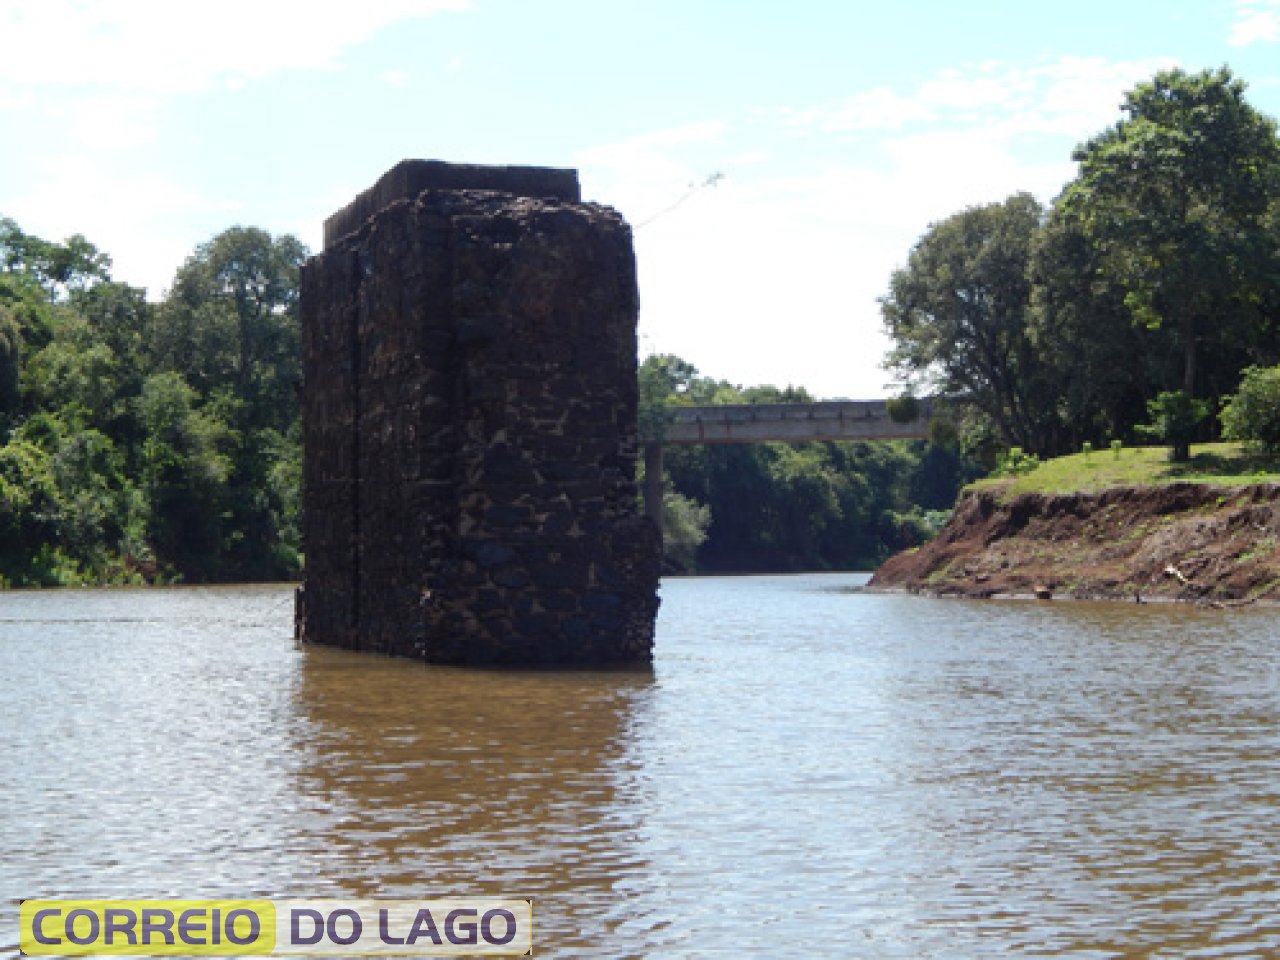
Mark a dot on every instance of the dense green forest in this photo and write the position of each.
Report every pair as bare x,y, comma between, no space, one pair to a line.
149,441
161,441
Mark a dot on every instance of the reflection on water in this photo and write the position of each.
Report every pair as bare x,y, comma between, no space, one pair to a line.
437,781
808,771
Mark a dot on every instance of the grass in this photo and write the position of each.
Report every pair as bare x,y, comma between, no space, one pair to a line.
1225,464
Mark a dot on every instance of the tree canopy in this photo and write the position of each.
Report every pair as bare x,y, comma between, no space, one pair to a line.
1156,271
1174,199
957,314
142,440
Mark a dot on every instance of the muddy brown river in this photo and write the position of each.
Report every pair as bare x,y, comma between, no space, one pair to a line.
808,771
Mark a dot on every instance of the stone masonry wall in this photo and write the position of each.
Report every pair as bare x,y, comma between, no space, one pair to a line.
470,418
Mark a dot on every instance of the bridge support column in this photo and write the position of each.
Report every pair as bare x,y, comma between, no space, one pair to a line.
653,484
469,417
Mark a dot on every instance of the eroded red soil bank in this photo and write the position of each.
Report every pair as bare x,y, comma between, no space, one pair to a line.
1184,541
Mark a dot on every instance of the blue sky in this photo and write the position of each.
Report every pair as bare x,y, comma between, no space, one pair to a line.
841,130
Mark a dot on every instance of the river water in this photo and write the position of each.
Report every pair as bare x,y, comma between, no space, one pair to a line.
808,771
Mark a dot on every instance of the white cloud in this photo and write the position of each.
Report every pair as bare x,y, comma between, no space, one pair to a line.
648,173
138,218
163,46
774,275
395,78
99,75
1257,21
16,100
1069,95
106,123
877,109
983,86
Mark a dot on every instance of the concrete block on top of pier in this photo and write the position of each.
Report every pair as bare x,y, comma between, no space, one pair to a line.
408,178
792,422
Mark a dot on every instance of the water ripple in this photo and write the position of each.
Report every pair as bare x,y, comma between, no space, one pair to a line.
809,770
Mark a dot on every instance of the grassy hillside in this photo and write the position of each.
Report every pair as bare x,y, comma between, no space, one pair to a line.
1217,463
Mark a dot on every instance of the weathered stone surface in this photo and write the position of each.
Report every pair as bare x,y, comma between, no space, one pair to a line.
409,178
469,416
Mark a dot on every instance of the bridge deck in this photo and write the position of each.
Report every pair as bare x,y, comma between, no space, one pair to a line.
790,422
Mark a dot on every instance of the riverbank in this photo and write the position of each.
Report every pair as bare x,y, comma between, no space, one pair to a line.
1194,540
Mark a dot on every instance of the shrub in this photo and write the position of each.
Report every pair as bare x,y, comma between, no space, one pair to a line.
943,432
903,409
1253,414
1015,461
685,523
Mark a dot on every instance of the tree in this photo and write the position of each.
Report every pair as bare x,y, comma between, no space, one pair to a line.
113,464
95,510
663,380
28,508
1253,413
1106,367
957,314
231,322
10,364
184,471
684,529
59,268
1173,200
75,373
229,327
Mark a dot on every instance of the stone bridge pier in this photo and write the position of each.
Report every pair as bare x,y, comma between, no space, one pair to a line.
469,415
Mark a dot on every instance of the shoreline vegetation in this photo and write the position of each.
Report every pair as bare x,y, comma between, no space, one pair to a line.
1116,525
1139,306
161,441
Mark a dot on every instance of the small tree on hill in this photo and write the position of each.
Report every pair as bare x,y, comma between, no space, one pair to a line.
1175,417
1253,413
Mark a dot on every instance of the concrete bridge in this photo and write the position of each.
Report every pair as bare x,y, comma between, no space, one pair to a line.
770,423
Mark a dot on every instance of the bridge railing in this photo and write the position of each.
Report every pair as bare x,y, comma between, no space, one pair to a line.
770,423
788,422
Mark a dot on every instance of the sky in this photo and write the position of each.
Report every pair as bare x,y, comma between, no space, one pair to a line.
777,161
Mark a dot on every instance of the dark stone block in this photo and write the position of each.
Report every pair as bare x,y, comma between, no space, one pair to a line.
472,330
512,578
601,602
562,470
559,576
504,517
576,628
558,601
469,404
489,554
503,465
409,178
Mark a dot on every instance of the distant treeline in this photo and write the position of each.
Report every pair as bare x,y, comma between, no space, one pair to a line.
794,506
